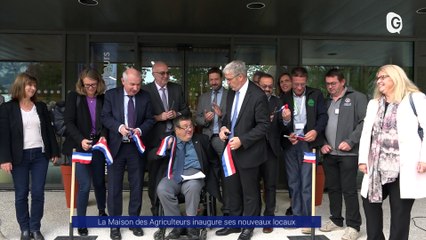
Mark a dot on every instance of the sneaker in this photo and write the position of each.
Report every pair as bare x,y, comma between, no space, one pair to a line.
350,234
329,226
306,230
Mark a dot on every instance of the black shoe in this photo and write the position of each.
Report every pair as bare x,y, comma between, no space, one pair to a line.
175,233
115,234
289,211
102,213
138,232
227,231
246,234
83,232
25,235
37,235
193,233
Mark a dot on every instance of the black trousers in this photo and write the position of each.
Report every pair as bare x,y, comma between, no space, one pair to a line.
243,192
128,158
400,210
268,172
340,175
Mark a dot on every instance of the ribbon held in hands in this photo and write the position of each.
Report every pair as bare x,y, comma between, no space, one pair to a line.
298,137
102,146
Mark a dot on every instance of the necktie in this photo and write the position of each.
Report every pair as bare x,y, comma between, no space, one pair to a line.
179,162
235,114
169,125
215,96
164,99
131,113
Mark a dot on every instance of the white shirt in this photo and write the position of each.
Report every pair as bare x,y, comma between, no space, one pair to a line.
32,129
242,91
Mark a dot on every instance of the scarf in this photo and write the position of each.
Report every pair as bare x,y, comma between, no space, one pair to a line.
383,159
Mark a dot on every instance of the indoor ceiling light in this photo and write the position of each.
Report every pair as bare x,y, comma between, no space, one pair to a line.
88,2
255,5
421,10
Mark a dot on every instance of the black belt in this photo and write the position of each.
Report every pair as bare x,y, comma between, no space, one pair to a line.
215,135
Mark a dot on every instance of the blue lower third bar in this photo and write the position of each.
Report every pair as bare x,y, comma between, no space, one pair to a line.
197,222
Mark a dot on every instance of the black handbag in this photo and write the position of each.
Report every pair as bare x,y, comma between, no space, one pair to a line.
419,129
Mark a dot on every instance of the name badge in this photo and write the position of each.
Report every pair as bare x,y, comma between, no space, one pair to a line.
336,111
299,126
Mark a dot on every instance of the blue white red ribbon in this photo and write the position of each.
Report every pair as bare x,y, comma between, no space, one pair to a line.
309,157
83,158
162,152
139,143
228,162
102,146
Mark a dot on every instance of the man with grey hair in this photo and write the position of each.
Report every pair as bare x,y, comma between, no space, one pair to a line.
244,128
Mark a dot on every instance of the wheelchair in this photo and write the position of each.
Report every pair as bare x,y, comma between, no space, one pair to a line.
207,207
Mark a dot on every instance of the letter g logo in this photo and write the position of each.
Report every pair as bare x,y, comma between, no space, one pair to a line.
393,23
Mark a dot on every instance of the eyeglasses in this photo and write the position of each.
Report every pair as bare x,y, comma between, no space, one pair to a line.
382,77
187,128
266,87
331,84
93,85
163,73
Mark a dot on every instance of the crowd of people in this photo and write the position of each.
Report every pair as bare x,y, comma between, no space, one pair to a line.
246,126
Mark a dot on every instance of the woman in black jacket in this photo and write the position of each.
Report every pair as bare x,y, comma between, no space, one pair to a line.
27,142
82,119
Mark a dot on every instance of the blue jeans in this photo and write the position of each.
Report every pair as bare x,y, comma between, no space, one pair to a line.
33,166
85,173
299,176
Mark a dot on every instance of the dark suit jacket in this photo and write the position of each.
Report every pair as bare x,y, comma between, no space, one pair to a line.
113,116
208,162
251,127
12,133
176,101
316,116
78,122
204,103
274,132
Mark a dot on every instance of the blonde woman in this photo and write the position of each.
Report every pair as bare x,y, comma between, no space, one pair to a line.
391,155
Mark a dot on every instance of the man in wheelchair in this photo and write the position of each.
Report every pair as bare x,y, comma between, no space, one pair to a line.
191,165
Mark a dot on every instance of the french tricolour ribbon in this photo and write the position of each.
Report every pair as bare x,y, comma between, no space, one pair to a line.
139,143
309,157
102,146
228,162
162,152
80,157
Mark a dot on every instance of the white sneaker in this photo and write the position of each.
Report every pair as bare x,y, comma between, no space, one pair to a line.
350,234
329,226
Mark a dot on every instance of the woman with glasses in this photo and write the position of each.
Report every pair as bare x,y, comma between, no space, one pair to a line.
82,119
27,142
392,155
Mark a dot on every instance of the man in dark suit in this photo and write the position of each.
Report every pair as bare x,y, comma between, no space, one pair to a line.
193,155
210,110
126,111
307,117
168,102
244,126
269,169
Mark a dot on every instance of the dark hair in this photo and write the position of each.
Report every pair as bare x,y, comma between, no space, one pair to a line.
299,72
334,72
215,70
18,87
177,120
258,74
267,75
279,79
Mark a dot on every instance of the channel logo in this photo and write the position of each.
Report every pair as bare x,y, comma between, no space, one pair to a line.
393,23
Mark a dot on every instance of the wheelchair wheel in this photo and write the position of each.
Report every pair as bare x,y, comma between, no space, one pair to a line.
203,234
